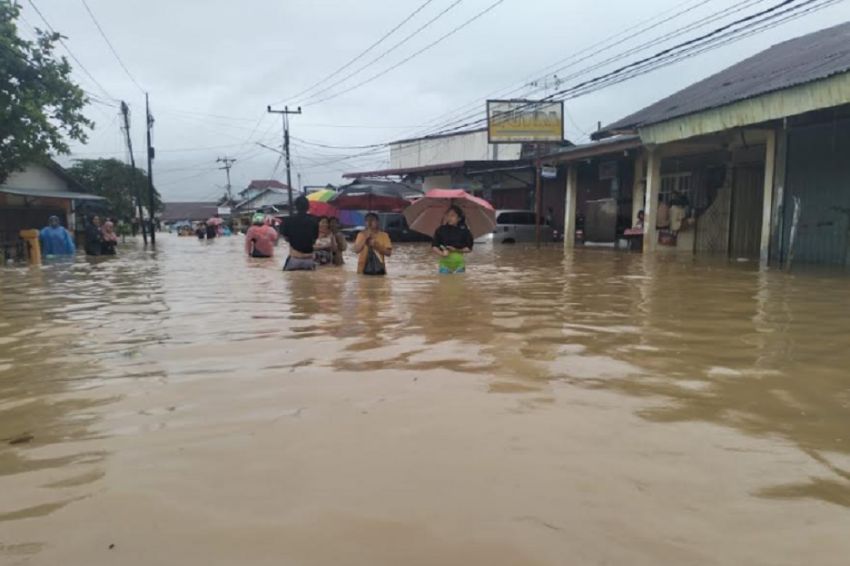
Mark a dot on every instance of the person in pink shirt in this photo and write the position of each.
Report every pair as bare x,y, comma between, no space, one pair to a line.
261,238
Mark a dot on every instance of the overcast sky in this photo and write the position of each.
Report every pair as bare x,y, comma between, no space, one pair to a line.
212,66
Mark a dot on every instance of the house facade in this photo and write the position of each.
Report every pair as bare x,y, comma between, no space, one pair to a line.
504,174
749,163
28,198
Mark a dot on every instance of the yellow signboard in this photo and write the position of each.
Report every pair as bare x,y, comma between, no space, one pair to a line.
529,121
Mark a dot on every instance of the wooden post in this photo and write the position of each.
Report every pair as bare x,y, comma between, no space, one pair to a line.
538,204
570,206
650,207
767,207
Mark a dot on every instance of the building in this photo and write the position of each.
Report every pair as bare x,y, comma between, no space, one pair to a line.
30,196
262,195
182,212
732,157
504,174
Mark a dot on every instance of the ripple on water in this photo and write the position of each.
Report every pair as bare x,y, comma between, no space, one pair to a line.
677,343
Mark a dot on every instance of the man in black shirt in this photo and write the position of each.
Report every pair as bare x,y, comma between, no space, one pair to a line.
301,231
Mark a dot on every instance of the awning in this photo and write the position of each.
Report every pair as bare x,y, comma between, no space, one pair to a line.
594,149
33,193
468,167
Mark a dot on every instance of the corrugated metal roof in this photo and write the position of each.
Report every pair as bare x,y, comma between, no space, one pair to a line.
35,193
795,62
266,184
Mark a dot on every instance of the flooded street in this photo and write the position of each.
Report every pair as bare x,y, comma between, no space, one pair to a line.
193,406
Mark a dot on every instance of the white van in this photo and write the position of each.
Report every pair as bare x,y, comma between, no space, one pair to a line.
517,226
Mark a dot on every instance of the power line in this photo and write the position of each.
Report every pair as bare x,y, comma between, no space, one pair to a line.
620,56
594,50
326,146
362,53
61,40
407,38
111,47
440,39
729,38
664,57
766,19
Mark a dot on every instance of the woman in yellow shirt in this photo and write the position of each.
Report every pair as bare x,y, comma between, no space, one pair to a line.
372,238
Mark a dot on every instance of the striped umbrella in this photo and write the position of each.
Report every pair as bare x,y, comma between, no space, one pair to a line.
319,205
321,196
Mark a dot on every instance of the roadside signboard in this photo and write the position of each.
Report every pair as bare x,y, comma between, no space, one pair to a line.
549,172
224,211
525,121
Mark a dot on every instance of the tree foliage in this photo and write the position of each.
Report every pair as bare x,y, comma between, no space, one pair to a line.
40,106
117,182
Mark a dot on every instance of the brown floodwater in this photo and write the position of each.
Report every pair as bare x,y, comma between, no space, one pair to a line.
193,406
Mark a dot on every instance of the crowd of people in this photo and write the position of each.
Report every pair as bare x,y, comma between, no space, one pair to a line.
313,242
100,239
317,242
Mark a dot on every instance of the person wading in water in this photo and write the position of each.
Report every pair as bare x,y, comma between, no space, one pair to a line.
372,241
260,238
452,241
301,231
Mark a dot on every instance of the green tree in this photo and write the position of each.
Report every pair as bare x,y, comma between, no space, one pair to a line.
116,181
39,104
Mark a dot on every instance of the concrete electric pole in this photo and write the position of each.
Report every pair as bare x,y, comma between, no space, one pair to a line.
125,111
151,200
285,117
228,163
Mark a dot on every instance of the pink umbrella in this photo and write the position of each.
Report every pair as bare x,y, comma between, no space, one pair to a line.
426,214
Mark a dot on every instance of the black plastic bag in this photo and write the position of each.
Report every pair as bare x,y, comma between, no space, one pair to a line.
374,265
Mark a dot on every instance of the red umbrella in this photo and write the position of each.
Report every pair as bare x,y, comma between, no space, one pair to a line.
426,214
323,209
367,194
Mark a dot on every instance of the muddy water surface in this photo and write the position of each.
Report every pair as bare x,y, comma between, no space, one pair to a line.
192,406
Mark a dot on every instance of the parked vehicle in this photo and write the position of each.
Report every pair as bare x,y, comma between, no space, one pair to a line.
518,226
394,224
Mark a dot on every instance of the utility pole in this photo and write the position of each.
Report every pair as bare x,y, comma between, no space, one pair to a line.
228,163
151,200
125,110
285,118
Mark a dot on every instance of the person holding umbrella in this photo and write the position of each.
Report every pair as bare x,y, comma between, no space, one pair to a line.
452,241
453,218
373,246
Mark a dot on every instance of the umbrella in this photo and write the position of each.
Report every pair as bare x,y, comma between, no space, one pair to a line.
322,209
426,214
383,196
215,221
323,195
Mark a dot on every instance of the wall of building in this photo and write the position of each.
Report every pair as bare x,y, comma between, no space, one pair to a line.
36,177
818,174
467,146
18,212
